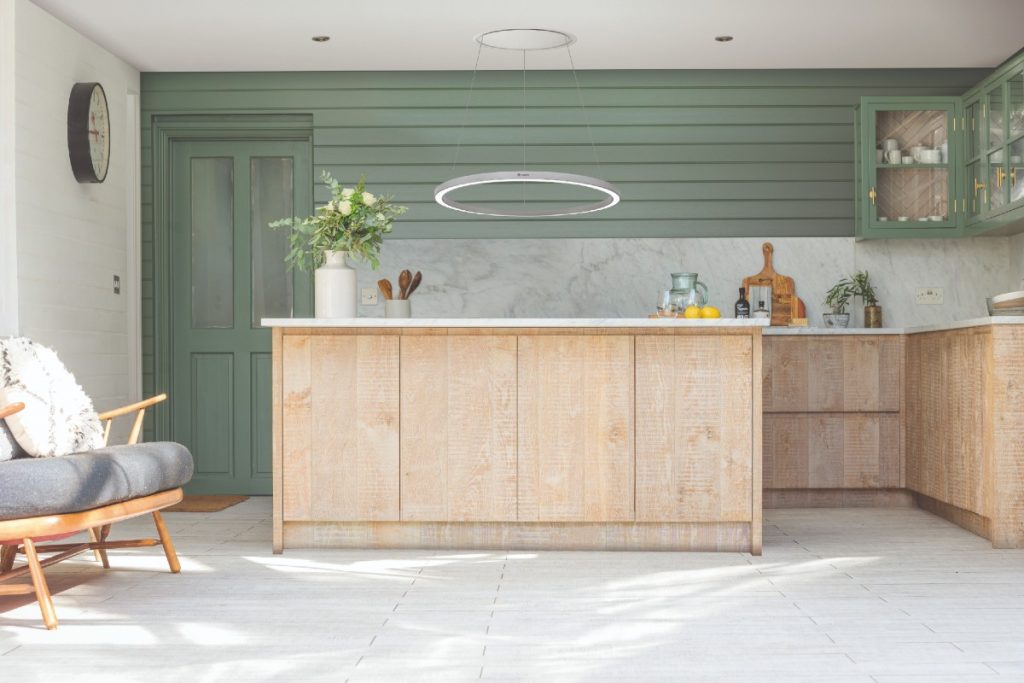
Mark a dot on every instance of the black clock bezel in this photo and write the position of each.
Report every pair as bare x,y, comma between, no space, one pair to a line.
78,133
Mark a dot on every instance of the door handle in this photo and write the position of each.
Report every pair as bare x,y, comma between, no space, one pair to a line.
1000,177
978,186
872,195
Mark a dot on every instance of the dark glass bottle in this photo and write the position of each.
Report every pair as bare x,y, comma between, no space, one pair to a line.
742,305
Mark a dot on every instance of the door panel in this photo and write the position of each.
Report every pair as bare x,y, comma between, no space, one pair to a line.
228,272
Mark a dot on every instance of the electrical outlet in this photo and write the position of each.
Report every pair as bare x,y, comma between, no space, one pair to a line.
369,296
929,296
117,284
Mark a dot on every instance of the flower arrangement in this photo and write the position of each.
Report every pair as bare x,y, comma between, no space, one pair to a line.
353,221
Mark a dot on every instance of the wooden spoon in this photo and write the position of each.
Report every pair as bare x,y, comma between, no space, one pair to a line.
385,288
416,279
404,278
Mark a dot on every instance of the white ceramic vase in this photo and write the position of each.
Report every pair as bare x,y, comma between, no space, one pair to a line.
334,283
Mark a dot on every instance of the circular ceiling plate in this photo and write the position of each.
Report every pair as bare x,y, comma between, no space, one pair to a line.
610,192
525,39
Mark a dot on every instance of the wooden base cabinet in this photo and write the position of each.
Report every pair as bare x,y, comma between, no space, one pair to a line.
458,428
576,451
534,438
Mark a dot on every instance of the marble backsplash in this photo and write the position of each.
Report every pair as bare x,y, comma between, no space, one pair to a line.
622,277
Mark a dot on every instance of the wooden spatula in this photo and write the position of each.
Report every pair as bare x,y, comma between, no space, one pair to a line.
404,279
385,288
416,279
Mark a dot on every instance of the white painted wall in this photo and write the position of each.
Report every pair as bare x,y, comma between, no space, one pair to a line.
71,238
8,211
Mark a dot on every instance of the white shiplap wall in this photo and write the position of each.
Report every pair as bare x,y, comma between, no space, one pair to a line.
71,238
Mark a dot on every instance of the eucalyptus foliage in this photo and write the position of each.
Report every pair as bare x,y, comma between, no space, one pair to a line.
354,221
838,298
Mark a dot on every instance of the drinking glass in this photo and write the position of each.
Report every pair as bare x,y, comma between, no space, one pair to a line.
667,306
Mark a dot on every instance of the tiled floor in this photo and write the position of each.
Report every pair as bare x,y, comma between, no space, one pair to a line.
839,595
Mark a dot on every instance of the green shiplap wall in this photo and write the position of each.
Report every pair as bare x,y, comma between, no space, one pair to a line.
695,153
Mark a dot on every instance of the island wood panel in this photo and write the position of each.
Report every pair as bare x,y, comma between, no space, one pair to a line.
831,373
458,436
831,450
948,396
340,442
694,428
576,449
1006,424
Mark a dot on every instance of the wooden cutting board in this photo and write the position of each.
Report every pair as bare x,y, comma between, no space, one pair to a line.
783,288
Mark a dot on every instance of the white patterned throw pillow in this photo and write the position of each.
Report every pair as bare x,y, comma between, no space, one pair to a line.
58,418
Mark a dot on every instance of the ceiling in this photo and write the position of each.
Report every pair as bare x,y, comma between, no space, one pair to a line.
274,35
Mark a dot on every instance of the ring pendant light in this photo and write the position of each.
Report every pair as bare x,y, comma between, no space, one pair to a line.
525,40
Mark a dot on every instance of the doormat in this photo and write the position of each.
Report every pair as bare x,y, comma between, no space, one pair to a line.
206,503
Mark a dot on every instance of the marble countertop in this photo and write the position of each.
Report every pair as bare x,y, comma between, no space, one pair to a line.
511,322
960,324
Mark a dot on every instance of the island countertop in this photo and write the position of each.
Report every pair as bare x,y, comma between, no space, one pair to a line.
515,322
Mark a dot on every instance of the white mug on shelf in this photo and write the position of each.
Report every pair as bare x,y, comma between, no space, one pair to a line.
908,159
893,156
889,144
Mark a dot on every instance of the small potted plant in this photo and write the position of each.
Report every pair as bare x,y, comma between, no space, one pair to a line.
836,301
352,223
863,288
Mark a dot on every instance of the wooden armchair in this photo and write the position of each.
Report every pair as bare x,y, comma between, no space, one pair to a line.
24,533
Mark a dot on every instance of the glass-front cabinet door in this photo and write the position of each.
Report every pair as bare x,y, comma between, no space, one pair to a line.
908,164
994,119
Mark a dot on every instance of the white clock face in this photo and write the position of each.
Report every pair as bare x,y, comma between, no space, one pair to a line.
99,132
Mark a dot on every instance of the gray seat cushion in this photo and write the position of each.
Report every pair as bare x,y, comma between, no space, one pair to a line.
32,487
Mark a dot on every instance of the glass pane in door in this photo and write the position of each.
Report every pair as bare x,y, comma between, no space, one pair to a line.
974,129
1017,170
912,183
213,245
975,189
1015,95
271,198
997,180
996,122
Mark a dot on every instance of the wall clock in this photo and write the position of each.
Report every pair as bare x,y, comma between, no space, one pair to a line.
89,132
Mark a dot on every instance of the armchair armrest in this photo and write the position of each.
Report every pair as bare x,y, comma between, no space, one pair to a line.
138,408
11,409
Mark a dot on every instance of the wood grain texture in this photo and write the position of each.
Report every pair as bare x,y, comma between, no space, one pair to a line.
576,440
703,537
948,396
458,428
340,428
1006,479
832,374
694,442
831,450
277,434
837,498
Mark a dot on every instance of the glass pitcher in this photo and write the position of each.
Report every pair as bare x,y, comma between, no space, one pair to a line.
687,290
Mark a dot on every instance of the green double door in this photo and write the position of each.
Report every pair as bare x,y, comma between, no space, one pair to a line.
227,273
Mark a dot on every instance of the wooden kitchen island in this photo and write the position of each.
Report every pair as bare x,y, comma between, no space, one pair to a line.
522,434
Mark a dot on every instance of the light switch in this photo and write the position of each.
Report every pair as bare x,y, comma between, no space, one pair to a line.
369,296
929,296
117,284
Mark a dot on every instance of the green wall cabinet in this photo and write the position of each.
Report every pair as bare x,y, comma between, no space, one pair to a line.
994,120
909,167
977,188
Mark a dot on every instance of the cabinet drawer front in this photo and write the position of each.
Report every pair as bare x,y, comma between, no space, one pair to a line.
340,439
576,428
458,442
832,450
694,446
832,374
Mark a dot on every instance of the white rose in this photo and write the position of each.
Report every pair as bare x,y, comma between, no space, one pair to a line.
380,217
329,206
368,199
347,192
345,207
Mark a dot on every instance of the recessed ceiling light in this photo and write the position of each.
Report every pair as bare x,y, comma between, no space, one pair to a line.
723,39
321,39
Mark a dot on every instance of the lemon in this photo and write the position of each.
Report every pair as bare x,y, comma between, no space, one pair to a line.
710,312
692,312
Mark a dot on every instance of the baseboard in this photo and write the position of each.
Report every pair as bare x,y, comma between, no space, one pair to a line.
972,521
837,498
717,536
